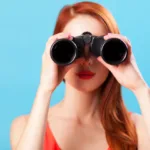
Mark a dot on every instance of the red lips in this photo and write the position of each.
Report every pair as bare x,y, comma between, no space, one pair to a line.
85,74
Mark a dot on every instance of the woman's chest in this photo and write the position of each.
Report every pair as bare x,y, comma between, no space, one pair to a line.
70,137
83,143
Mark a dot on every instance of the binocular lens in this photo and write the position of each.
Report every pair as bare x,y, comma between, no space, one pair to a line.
114,51
63,52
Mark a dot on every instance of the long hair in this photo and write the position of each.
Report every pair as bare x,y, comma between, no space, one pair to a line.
119,129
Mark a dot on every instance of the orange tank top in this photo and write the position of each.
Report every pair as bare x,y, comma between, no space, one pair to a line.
50,142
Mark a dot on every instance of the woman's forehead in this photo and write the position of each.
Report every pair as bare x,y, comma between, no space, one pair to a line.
83,23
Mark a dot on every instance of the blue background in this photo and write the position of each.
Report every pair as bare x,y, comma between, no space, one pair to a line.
24,29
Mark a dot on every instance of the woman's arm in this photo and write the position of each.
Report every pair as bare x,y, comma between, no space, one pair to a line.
31,132
143,96
141,130
129,76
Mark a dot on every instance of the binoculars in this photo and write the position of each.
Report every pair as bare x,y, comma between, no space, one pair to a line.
64,51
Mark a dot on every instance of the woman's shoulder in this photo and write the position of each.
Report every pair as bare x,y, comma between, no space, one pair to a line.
137,120
16,129
21,120
141,130
18,124
136,117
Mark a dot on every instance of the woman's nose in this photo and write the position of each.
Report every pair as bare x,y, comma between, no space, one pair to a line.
86,56
86,53
85,59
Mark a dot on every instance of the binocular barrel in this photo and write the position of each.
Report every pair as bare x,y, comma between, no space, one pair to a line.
113,51
64,52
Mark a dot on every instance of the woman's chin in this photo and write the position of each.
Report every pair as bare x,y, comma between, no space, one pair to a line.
84,86
86,90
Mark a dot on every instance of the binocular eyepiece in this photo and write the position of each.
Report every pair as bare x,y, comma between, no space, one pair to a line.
64,51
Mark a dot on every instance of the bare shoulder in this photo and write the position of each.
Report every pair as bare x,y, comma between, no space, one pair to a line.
18,122
141,130
138,121
18,125
16,129
137,118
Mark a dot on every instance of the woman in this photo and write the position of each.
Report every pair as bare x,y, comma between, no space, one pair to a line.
92,115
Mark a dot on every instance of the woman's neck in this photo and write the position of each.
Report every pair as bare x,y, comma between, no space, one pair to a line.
81,106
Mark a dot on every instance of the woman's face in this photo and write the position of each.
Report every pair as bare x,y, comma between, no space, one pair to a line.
76,27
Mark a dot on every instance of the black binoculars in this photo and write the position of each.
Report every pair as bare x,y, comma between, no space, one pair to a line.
64,51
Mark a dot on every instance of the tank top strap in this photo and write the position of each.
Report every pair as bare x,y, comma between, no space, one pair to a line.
49,140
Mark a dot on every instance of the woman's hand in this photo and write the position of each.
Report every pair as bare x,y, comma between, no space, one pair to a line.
126,73
51,73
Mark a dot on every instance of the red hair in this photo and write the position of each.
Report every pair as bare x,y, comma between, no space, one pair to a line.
119,129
